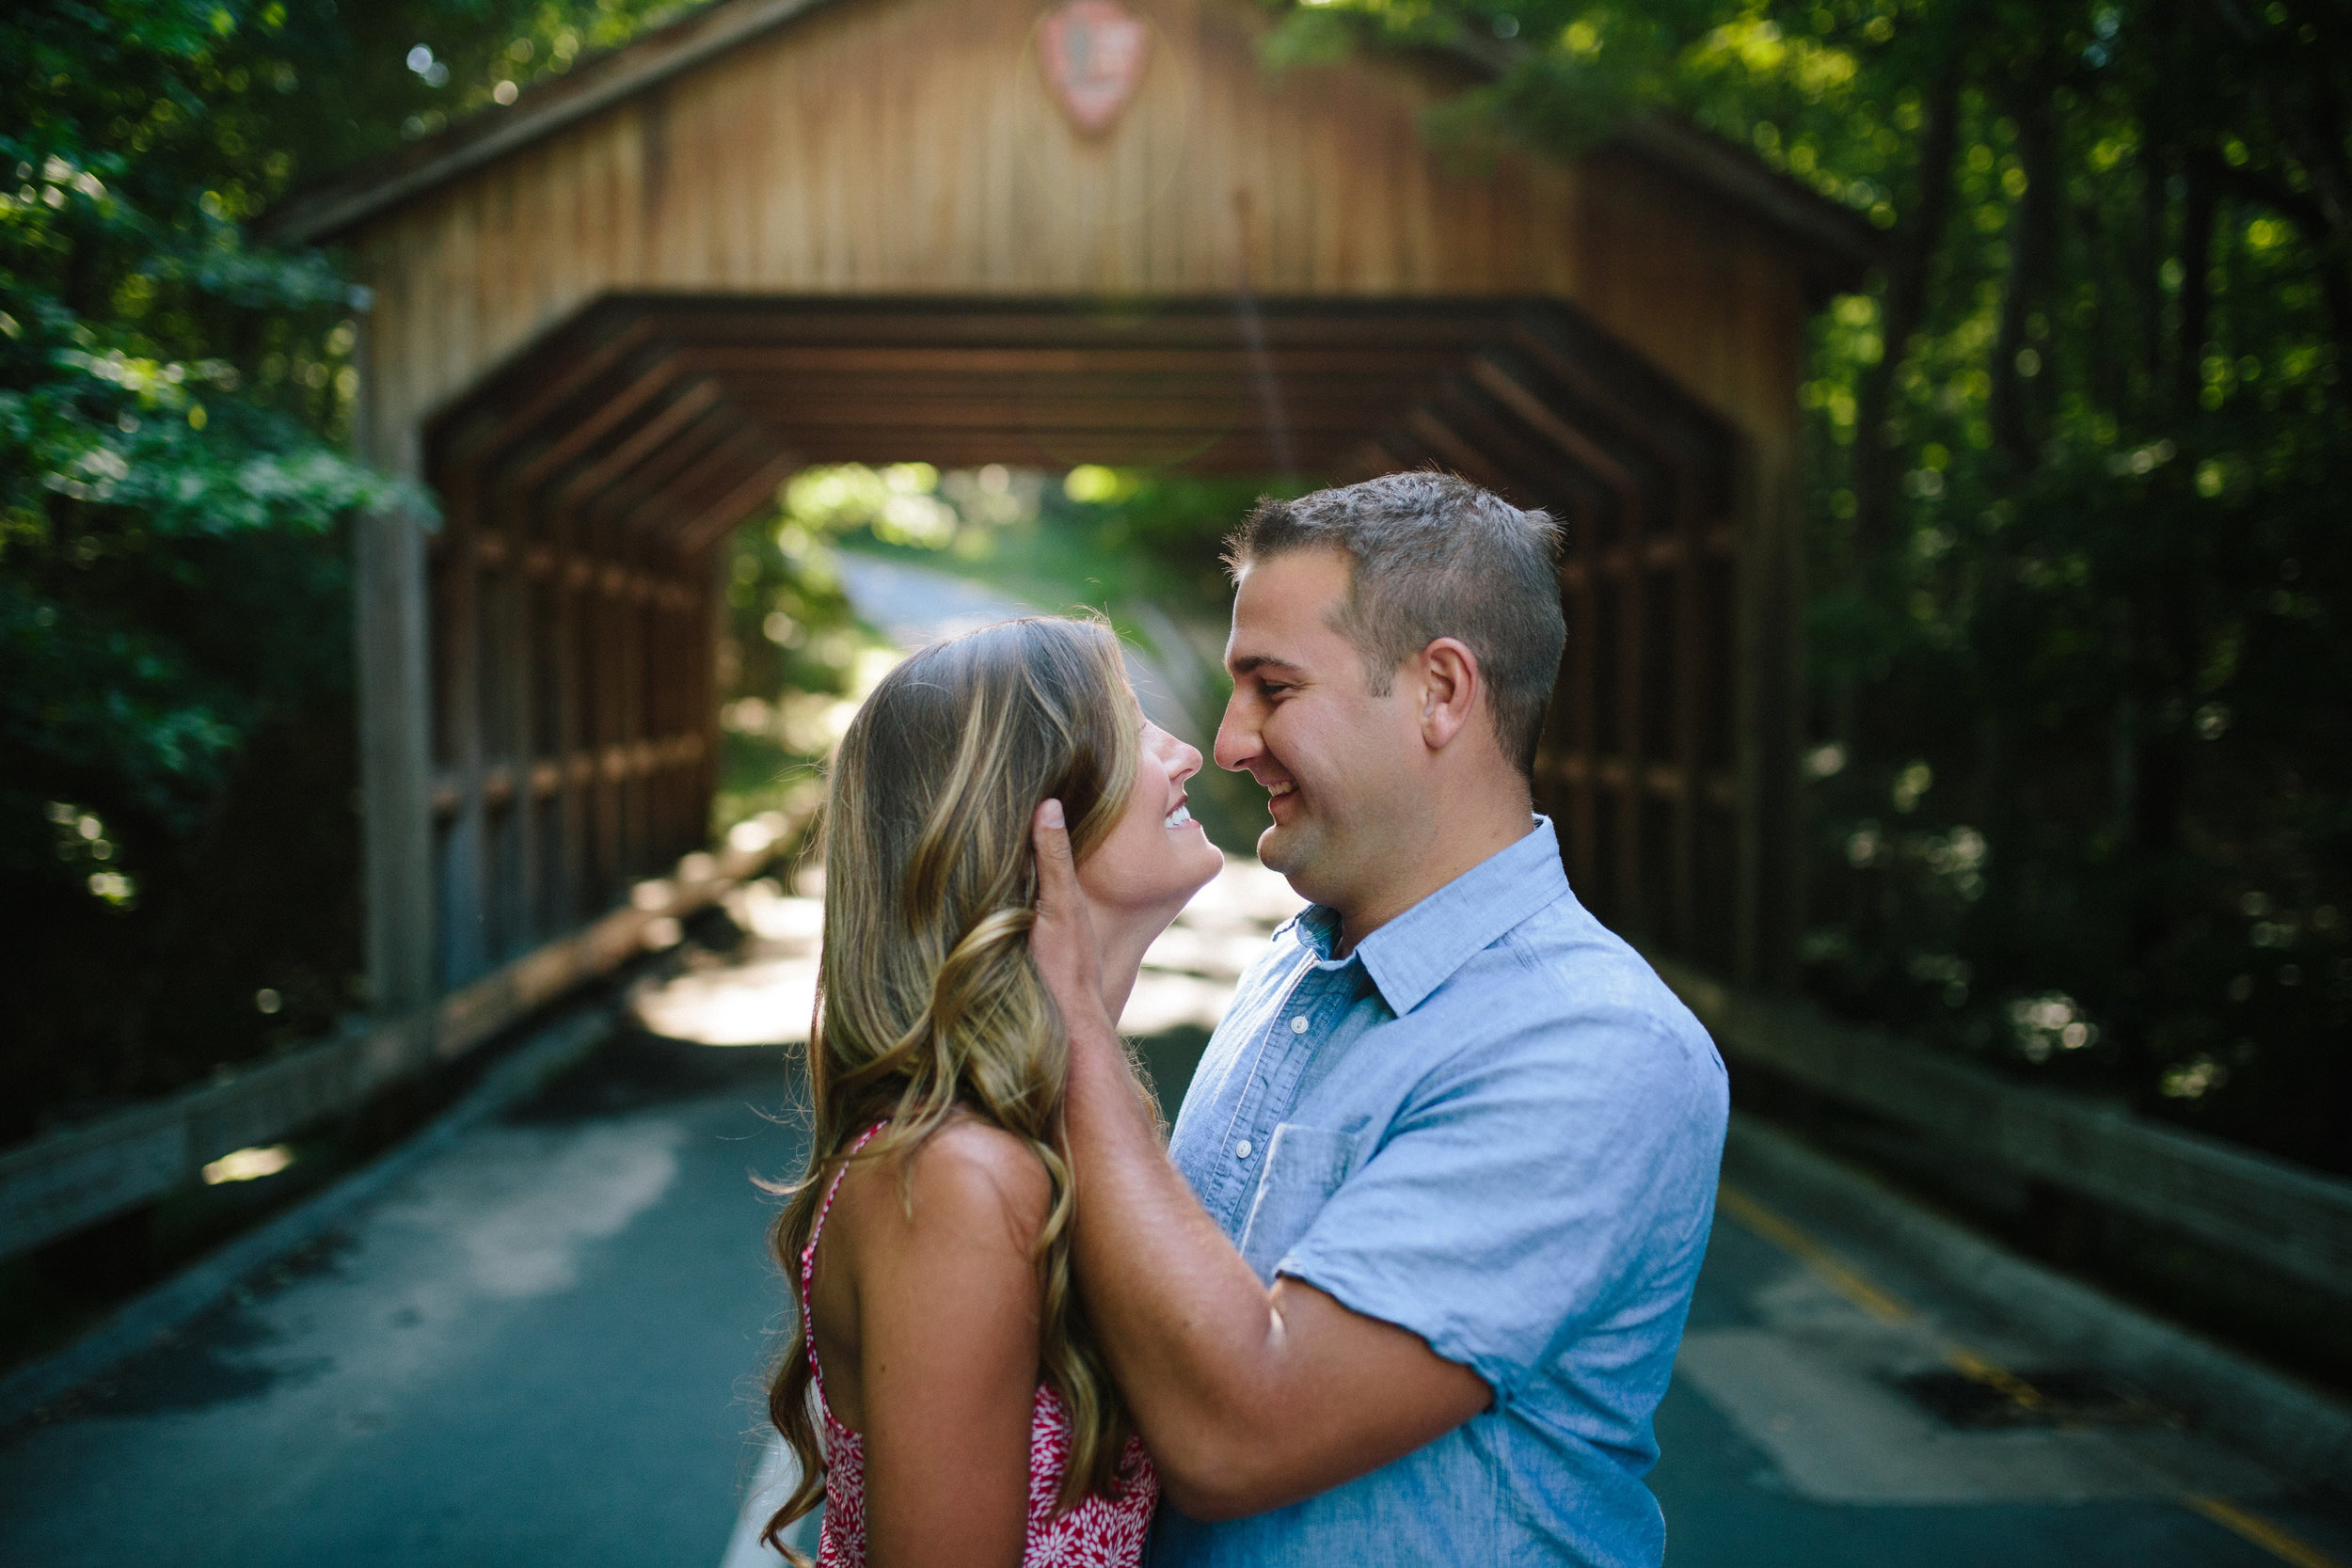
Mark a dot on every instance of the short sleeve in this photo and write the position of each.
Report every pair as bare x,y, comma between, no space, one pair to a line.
1529,1182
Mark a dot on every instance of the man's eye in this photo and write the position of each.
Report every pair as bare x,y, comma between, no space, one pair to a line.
1272,689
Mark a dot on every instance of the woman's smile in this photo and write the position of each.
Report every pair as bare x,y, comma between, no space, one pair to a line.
1138,871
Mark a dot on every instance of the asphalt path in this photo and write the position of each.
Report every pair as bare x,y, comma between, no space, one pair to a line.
545,1347
1793,1437
542,1347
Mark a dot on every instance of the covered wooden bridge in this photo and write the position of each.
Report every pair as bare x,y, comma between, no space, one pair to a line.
609,320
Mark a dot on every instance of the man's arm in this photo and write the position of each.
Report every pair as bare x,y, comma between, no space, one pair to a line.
1248,1398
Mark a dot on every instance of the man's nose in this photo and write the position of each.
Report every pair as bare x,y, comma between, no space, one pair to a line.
1236,737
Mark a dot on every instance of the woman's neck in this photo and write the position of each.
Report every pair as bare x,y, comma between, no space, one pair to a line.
1121,938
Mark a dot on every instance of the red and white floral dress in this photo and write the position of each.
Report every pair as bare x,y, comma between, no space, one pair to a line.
1098,1533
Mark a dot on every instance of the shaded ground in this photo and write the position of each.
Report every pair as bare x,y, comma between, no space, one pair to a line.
545,1347
1796,1433
537,1349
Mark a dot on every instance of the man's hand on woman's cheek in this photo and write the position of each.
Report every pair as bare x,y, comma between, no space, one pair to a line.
1062,941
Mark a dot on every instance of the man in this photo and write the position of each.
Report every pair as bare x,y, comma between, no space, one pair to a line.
1411,1287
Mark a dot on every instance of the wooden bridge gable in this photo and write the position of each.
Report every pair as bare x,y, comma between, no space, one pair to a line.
782,231
912,147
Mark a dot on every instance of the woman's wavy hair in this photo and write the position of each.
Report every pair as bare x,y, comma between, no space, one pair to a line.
927,999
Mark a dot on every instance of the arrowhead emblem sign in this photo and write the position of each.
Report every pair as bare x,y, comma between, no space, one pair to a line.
1094,53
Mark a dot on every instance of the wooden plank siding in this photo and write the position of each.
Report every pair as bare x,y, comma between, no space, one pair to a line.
866,233
908,147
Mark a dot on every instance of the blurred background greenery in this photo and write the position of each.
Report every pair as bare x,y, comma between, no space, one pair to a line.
2081,799
1137,548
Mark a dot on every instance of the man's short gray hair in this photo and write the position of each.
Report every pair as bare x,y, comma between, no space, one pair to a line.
1434,556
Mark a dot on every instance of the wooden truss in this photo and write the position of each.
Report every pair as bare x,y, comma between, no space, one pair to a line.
573,592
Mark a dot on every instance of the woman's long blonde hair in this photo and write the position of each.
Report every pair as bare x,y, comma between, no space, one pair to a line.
929,1001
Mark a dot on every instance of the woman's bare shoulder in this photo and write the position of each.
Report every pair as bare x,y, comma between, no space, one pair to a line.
977,1171
969,1181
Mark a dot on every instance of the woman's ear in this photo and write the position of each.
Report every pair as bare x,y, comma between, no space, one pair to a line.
1451,687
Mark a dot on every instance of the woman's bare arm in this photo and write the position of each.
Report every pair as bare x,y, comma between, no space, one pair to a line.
947,1307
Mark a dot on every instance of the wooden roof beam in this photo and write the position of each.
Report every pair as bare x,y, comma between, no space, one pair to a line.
686,408
680,462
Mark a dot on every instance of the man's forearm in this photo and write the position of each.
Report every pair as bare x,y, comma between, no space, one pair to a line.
1248,1398
1190,1333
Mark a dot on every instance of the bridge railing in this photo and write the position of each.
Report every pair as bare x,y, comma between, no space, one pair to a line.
2296,1221
70,1180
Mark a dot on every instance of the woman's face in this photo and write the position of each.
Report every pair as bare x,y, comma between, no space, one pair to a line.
1155,856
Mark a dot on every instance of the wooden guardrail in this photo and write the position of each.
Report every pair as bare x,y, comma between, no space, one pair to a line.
66,1180
2292,1220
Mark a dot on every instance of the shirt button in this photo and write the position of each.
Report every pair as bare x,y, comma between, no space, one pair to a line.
1299,1026
1240,1150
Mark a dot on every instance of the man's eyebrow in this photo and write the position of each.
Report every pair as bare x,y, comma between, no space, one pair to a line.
1250,664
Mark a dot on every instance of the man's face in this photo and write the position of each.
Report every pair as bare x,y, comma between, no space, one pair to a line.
1337,763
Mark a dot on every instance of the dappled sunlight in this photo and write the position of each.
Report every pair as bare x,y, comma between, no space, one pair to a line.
1189,973
763,994
248,1164
765,991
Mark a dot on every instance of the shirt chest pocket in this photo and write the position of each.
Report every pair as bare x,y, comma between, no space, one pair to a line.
1304,1167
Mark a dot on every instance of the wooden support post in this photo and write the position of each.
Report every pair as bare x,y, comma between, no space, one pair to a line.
1584,698
661,671
711,627
509,638
628,686
1629,574
1769,701
456,625
608,634
395,759
1689,698
568,579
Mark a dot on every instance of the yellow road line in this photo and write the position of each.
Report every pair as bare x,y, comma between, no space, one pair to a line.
1888,1307
1812,1254
1992,1374
2261,1532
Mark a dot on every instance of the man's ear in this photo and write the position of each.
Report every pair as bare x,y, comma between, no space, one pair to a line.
1451,688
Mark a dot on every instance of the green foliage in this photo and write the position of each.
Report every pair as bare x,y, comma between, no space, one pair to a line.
175,729
2083,797
1137,547
794,654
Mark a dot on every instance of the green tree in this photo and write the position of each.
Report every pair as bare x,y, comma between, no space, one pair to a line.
2083,795
176,838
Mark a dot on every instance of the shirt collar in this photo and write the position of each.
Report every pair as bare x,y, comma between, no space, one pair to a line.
1419,951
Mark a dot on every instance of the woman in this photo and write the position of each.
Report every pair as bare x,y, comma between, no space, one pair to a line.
961,1410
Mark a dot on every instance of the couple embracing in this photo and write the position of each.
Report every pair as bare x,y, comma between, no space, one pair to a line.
1406,1281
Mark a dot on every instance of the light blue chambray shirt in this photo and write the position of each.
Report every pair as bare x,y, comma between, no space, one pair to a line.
1493,1125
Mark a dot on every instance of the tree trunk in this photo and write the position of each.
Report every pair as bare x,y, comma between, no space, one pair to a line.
2032,233
1911,259
2188,354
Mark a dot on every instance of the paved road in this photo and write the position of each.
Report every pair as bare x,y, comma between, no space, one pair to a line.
1787,1438
537,1349
543,1348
